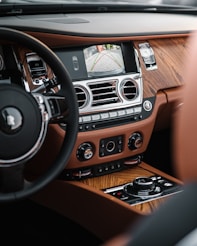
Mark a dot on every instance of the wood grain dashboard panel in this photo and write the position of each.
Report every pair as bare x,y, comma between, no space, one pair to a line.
170,51
170,58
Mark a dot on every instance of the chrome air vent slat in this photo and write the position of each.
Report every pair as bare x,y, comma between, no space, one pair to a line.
104,101
104,94
81,96
129,89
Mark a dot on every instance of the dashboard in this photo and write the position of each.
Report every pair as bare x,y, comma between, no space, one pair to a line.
126,80
127,74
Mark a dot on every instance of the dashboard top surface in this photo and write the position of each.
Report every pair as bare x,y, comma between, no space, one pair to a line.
104,24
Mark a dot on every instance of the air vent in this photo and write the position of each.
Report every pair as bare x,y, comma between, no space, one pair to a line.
129,89
104,93
81,97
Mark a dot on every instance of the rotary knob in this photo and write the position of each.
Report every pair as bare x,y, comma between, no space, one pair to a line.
135,141
143,184
85,152
143,187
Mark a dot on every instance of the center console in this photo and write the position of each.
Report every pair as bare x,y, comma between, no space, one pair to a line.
108,83
144,189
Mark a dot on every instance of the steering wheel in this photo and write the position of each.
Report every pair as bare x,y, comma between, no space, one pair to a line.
24,120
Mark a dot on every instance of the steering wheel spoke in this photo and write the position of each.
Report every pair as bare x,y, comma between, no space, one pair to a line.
11,178
52,107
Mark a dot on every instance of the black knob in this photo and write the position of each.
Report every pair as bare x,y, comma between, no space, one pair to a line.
143,184
85,151
135,141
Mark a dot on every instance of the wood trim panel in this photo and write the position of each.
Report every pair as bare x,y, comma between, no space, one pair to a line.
170,51
102,214
62,40
125,176
170,58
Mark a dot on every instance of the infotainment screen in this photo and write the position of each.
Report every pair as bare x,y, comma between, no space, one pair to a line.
104,60
99,60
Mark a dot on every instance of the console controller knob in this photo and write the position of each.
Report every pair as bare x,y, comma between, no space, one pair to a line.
144,188
143,184
85,152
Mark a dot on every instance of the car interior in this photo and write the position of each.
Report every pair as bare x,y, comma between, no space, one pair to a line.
97,124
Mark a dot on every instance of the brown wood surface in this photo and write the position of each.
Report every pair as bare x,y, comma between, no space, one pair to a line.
169,55
125,176
62,40
102,214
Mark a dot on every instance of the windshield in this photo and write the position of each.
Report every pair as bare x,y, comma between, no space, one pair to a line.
136,2
22,7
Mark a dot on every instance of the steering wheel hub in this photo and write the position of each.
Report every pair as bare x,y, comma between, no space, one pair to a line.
11,120
20,122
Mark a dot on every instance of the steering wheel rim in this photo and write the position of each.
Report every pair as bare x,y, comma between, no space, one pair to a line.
67,92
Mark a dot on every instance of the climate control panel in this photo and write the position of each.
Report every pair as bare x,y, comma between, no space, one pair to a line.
109,146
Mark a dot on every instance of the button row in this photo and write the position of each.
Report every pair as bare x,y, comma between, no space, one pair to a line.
110,115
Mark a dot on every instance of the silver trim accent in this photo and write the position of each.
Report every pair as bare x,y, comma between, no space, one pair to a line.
104,94
82,96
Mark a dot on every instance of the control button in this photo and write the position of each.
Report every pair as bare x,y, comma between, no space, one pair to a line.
102,154
137,109
93,126
113,114
102,143
119,141
167,184
147,105
110,146
100,170
87,127
106,168
104,115
135,141
121,195
86,118
85,151
143,187
82,173
112,167
121,112
96,117
118,165
80,128
129,111
143,184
